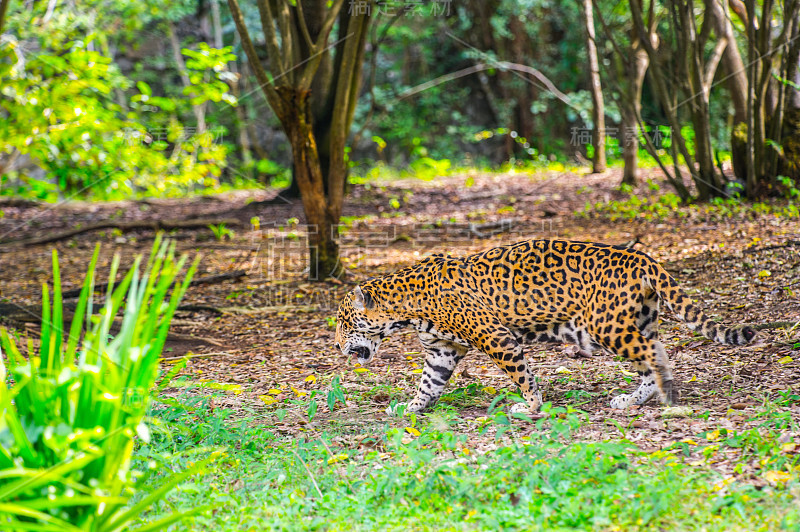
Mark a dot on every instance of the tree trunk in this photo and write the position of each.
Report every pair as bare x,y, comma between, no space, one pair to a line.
3,11
650,42
297,35
789,164
598,111
733,71
518,45
630,147
751,180
630,109
198,110
295,115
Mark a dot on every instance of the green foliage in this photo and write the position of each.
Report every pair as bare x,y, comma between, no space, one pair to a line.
669,206
790,190
71,411
426,471
205,86
66,107
221,232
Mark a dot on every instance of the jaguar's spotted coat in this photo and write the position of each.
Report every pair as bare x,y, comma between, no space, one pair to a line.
592,295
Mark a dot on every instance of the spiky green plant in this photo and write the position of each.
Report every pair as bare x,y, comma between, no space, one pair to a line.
71,409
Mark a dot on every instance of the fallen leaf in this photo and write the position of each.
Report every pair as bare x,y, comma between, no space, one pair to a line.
676,411
777,477
341,457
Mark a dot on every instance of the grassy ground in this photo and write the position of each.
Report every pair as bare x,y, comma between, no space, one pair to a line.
443,472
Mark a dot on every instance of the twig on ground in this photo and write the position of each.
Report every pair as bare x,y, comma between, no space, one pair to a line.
776,325
100,288
310,474
155,225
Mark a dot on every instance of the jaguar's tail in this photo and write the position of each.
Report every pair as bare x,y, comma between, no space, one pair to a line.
671,294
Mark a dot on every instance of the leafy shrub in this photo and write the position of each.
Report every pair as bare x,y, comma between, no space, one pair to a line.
68,108
71,411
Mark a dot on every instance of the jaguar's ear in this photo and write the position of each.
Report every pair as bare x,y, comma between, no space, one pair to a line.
362,300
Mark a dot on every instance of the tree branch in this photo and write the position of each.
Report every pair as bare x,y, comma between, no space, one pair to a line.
315,58
301,22
356,28
270,37
713,62
255,62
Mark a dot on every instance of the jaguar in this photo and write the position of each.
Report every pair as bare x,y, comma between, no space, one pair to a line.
597,296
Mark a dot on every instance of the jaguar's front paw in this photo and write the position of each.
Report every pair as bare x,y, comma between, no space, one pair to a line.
520,408
621,402
527,411
400,409
397,410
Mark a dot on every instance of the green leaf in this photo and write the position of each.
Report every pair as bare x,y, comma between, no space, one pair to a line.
144,88
121,518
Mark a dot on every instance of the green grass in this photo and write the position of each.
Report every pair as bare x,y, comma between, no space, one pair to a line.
439,472
669,207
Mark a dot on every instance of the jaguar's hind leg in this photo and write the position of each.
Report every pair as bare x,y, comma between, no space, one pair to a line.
647,318
646,390
647,322
650,360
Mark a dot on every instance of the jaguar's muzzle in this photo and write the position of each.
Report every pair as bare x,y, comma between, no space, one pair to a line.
362,353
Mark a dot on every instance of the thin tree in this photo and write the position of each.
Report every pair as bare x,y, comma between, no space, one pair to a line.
598,111
626,76
681,75
312,87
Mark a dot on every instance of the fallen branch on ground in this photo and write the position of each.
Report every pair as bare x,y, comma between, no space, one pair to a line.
33,314
155,225
775,325
493,228
210,279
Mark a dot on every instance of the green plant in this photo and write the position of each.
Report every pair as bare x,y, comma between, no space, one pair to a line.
221,232
336,394
93,131
71,411
790,189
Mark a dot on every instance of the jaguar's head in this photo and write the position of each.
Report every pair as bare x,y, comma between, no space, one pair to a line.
360,325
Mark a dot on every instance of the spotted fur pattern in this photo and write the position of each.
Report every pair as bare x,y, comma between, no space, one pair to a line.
594,295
